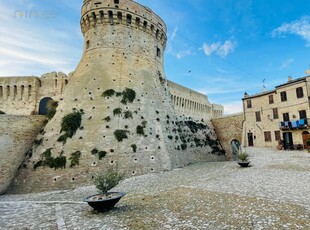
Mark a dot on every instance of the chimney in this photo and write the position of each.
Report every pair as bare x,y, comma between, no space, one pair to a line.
290,78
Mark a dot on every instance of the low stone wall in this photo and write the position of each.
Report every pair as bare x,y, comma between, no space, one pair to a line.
17,133
227,129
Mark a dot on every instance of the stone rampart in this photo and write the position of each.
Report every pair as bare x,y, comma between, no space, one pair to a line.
17,134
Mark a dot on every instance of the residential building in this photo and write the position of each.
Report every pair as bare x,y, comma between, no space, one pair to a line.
278,117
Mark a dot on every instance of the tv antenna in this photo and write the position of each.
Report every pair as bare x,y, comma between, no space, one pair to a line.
264,87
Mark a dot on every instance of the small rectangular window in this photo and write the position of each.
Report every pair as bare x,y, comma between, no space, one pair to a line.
271,99
283,96
275,113
257,115
116,1
277,135
158,53
302,114
299,92
249,104
110,16
286,117
128,19
119,17
1,91
267,136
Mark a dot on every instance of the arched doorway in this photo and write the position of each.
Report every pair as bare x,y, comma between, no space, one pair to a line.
234,147
305,138
43,106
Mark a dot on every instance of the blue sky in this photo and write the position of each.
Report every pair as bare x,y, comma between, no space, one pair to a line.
221,48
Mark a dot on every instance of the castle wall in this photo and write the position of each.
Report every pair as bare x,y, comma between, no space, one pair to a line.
190,103
123,50
18,95
22,95
16,137
228,129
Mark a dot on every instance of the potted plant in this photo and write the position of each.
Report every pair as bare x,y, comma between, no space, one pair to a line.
105,201
243,158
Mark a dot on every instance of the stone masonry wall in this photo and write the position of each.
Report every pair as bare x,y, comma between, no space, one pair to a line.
228,128
16,137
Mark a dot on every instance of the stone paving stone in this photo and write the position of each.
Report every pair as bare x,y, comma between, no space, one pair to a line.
272,194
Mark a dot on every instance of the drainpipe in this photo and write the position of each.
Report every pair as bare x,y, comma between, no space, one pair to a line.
243,126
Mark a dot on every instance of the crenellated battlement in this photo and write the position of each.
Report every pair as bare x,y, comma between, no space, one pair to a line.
125,13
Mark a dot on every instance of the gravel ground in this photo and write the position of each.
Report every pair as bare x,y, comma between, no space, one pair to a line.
272,194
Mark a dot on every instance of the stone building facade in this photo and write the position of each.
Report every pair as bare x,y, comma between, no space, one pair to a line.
279,116
128,114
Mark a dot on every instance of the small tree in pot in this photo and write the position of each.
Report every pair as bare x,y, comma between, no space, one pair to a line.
243,158
105,201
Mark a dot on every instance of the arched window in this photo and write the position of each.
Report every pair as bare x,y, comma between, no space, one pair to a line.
29,91
22,89
101,16
8,91
15,91
94,18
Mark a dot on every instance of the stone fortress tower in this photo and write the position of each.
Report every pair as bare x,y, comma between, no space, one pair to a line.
120,92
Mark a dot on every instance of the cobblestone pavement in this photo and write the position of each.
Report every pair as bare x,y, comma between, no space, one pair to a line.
272,194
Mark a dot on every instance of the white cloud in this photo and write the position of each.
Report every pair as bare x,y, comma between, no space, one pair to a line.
220,49
36,46
299,27
287,63
183,54
233,107
174,33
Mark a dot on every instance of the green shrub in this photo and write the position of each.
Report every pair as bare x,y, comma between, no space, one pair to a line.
102,154
105,181
75,158
134,147
120,134
170,137
47,160
117,111
108,93
129,95
63,138
140,130
69,124
127,114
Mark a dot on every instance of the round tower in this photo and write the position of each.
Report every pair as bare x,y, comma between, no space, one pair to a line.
120,94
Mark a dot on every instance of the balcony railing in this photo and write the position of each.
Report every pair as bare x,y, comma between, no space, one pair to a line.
295,124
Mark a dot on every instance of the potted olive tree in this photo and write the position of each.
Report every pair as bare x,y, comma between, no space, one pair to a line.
105,201
243,158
